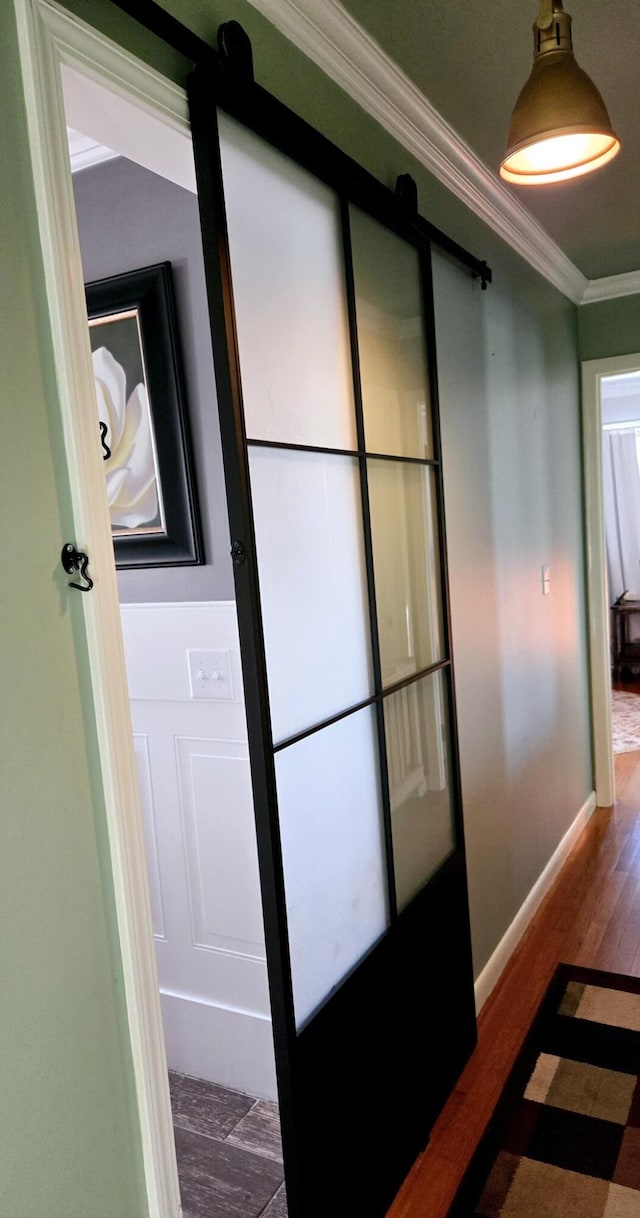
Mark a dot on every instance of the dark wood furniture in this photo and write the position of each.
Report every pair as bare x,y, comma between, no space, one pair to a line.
625,652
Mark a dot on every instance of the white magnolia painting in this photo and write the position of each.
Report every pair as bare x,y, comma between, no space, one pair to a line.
126,430
132,485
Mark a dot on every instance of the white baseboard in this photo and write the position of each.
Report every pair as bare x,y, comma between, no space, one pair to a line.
496,964
230,1047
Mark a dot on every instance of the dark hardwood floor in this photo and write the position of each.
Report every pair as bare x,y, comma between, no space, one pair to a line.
229,1152
590,917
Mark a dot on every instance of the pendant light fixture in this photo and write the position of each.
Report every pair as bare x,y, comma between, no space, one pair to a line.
559,127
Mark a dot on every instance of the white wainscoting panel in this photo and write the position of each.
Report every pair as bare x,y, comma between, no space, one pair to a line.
195,785
220,845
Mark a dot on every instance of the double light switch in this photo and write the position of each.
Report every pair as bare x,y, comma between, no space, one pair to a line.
210,674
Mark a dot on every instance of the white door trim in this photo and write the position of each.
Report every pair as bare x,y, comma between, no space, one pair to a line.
49,37
597,599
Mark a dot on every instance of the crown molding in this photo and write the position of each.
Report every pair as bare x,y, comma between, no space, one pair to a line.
327,34
84,152
612,286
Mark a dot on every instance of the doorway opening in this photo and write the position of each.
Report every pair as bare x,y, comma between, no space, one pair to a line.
136,210
611,405
620,405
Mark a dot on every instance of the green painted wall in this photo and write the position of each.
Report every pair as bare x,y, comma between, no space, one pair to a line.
509,361
609,327
511,447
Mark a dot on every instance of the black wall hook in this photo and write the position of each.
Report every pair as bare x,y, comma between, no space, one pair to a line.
74,560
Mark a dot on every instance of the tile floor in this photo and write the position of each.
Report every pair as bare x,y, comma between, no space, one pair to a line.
229,1152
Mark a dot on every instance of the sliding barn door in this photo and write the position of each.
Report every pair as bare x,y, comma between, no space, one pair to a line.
322,329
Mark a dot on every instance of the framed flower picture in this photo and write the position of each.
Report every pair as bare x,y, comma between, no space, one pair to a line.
142,419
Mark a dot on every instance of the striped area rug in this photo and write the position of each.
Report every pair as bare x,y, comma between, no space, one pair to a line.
564,1141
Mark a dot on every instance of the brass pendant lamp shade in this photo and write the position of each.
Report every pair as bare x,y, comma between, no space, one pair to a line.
560,127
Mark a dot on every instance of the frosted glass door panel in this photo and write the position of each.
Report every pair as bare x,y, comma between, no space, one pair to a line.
308,521
333,854
289,292
406,563
391,338
422,826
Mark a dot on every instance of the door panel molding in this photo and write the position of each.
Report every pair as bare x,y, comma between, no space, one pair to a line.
49,38
224,903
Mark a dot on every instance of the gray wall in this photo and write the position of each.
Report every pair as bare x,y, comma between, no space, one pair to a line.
128,218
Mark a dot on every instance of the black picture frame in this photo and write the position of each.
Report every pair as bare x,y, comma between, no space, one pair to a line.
143,425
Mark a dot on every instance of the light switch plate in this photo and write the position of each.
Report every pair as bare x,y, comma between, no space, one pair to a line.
210,674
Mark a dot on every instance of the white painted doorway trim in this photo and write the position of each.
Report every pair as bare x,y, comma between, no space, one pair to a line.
593,372
49,37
